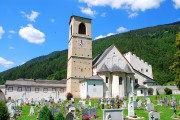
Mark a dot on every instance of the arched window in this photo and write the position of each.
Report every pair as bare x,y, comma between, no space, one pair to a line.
82,28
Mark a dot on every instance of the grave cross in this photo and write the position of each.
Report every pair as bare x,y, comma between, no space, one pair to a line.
152,117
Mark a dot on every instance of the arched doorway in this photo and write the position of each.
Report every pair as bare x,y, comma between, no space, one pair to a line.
150,91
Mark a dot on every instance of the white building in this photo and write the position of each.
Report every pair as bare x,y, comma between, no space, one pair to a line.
28,88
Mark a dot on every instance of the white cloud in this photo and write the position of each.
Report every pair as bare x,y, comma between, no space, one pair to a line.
31,16
5,62
1,32
11,48
32,34
52,20
12,31
103,14
122,29
134,5
176,3
132,15
103,36
88,11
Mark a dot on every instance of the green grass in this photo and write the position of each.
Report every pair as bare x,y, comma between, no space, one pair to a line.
165,111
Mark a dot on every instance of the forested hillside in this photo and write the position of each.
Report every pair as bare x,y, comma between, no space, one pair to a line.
156,45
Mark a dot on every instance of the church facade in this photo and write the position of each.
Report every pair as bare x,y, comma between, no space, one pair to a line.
110,74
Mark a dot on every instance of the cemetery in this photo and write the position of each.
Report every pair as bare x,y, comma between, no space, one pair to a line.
164,107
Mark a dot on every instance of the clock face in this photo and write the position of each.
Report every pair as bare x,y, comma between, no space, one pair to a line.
81,42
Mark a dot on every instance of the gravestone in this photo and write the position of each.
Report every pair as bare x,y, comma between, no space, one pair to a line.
11,108
89,102
149,107
165,101
113,114
154,115
148,101
96,105
139,104
31,112
102,103
131,109
70,116
112,103
124,104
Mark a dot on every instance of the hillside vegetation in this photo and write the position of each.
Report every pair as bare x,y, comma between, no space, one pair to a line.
156,45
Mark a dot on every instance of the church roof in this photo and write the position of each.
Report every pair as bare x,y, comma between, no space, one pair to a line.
102,55
149,81
95,77
127,69
140,87
38,83
104,69
116,68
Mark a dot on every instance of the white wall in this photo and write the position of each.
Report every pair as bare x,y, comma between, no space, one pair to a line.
139,64
83,89
59,93
95,88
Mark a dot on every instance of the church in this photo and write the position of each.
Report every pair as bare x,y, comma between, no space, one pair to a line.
110,74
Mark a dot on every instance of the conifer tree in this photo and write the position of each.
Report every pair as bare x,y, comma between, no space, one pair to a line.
175,67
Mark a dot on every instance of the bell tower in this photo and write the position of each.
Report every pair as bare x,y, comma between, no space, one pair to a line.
79,53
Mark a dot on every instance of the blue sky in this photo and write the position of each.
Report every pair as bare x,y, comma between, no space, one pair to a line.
31,28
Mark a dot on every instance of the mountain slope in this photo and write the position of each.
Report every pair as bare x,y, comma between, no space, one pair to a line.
156,45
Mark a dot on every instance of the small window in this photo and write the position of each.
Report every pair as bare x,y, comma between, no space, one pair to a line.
36,90
146,70
94,84
62,90
53,90
19,89
120,80
136,81
81,70
106,79
141,91
10,89
45,90
28,89
130,80
142,70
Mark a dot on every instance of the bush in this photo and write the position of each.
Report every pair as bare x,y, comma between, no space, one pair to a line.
4,114
168,91
59,116
69,96
45,114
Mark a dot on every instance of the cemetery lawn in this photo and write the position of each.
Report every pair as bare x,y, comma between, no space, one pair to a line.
165,111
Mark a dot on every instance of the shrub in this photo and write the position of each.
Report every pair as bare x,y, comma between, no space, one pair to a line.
4,114
59,116
69,96
45,114
168,91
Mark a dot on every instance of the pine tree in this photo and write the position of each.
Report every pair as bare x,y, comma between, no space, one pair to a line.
59,116
45,114
175,67
4,115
